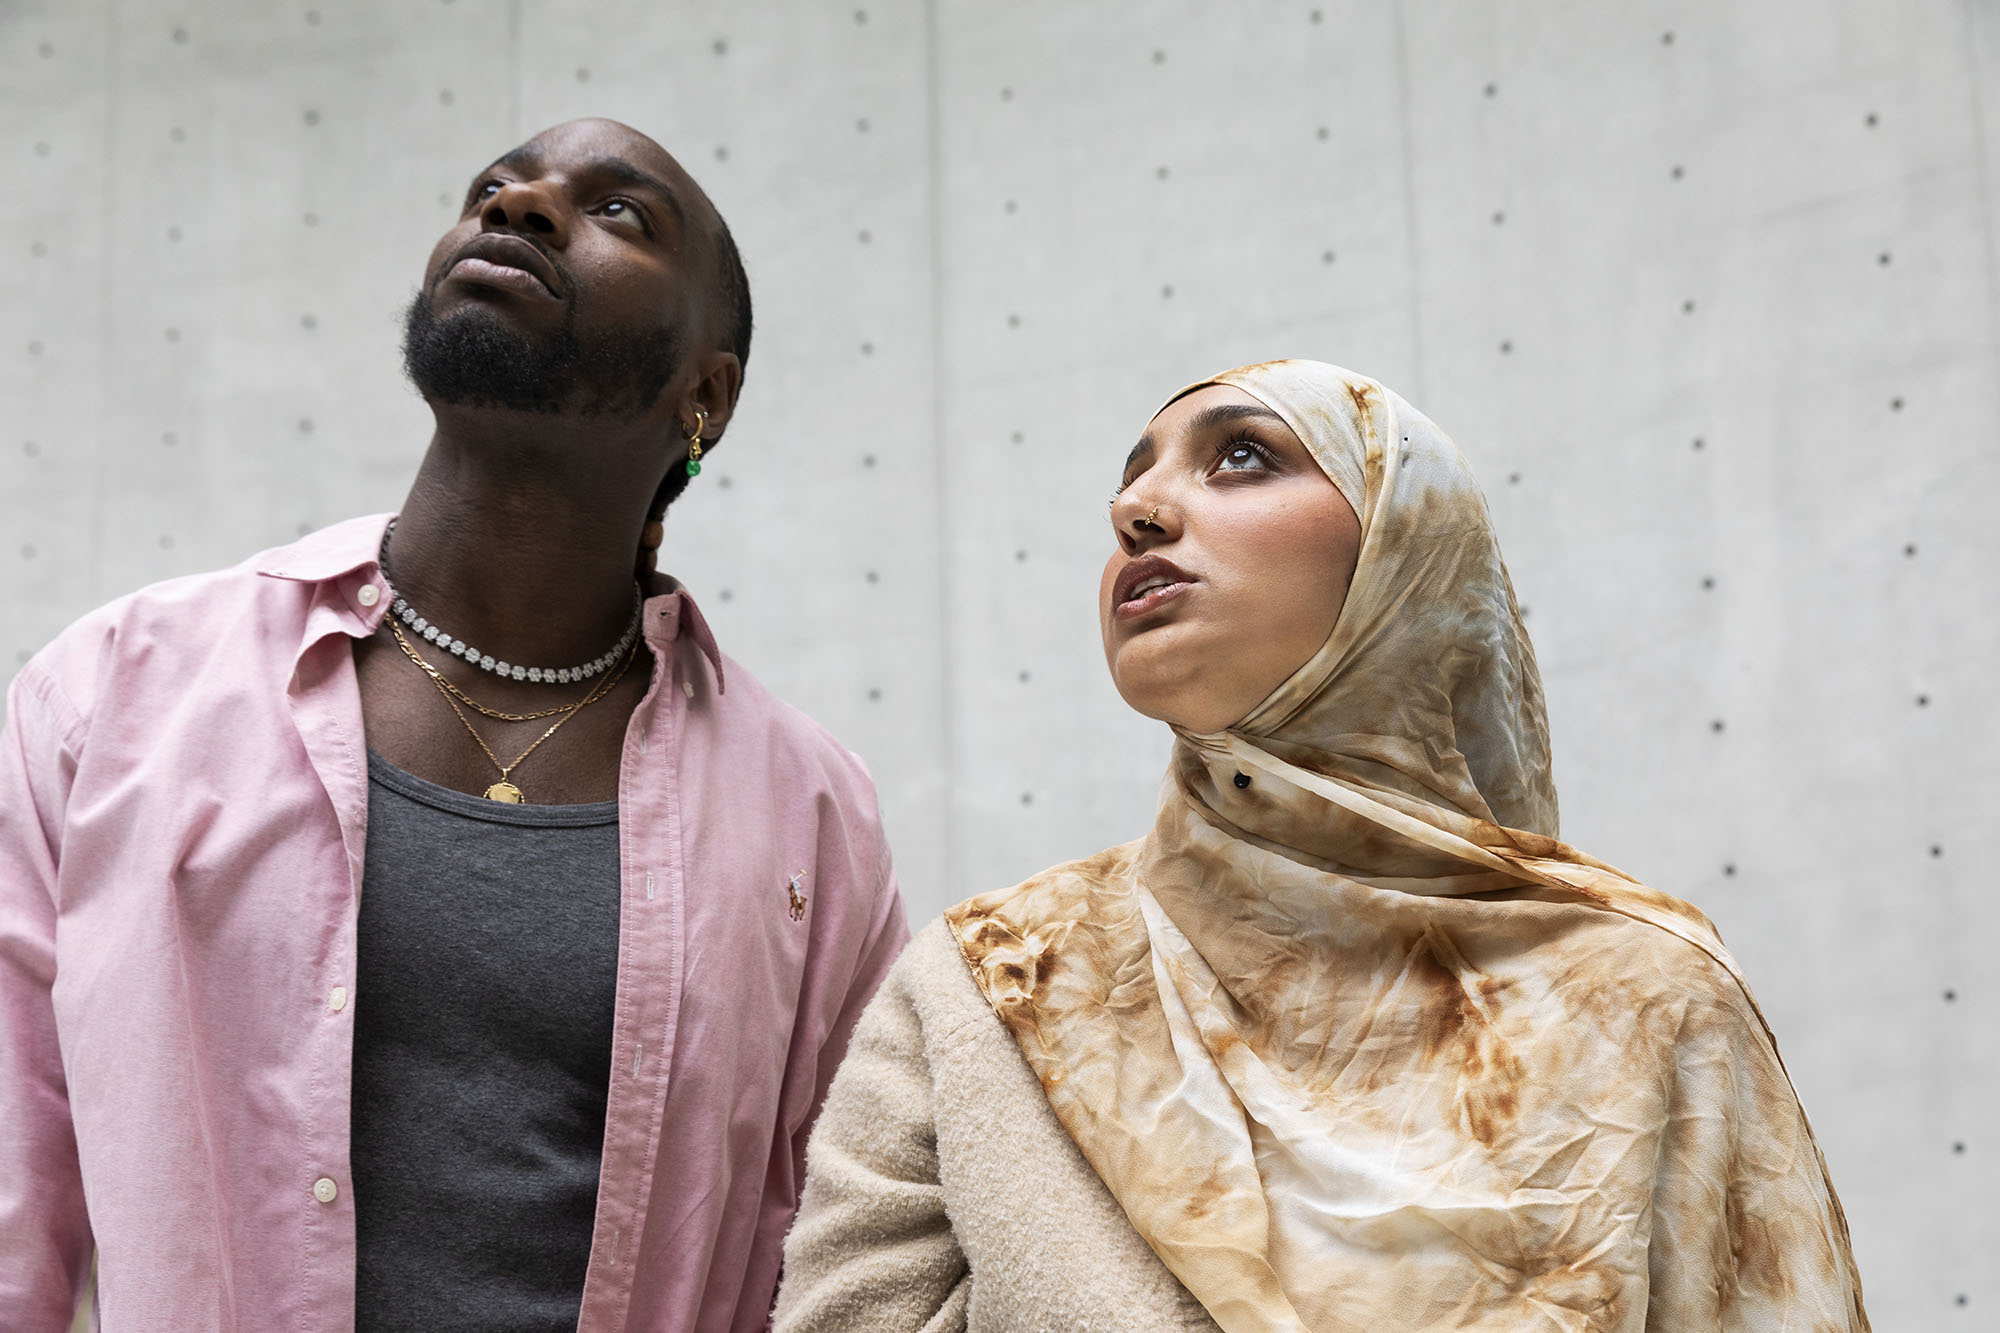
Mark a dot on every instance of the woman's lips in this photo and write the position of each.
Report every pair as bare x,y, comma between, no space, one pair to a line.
1147,603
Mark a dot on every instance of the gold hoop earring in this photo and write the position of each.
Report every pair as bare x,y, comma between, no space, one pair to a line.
694,443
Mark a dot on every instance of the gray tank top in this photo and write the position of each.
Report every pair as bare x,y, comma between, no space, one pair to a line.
483,998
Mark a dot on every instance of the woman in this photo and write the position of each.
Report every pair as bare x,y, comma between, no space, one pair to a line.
1349,1040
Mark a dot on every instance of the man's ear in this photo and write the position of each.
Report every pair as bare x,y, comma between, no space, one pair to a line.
721,378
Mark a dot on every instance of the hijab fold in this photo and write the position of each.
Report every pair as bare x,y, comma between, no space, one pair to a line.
1360,1044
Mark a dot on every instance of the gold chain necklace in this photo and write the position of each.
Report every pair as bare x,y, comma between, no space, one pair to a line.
504,790
410,651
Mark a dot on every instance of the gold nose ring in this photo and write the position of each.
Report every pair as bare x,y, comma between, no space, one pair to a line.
1150,514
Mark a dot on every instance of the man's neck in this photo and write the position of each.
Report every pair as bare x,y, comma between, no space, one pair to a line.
520,532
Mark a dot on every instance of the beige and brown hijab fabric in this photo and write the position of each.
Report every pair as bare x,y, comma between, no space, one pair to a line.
1361,1045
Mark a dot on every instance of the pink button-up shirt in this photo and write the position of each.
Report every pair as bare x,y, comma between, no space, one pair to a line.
183,808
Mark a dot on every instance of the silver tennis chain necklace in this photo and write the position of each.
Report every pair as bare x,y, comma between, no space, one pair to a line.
400,607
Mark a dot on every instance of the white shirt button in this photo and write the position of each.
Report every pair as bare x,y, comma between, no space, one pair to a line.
325,1190
368,594
338,1000
687,688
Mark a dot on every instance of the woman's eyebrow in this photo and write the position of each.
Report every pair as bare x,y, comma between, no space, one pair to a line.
1221,414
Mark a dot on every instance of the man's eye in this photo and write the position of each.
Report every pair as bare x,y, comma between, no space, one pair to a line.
486,190
620,210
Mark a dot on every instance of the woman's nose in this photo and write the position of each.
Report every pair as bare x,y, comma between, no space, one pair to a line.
1140,518
529,207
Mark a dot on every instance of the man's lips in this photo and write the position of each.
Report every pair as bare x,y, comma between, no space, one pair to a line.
496,259
1146,584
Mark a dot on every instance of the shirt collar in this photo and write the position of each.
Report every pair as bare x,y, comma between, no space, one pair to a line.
353,546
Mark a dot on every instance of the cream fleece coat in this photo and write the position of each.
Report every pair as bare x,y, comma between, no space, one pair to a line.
942,1194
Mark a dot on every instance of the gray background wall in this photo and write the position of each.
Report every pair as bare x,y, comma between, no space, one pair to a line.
1707,291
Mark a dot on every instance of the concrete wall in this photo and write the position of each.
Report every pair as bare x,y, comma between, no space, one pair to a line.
1707,291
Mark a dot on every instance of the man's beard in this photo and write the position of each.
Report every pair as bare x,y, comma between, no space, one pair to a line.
473,358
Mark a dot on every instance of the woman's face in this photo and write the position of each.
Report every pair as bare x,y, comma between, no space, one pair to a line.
1238,575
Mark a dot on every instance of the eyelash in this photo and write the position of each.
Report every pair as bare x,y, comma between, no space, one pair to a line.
1222,450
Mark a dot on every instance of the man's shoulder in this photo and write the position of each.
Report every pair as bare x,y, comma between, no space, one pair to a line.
791,731
167,626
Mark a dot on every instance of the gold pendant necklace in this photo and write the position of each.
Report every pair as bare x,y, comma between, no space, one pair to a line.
504,790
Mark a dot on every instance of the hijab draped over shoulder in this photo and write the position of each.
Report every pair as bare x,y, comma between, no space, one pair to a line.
1360,1044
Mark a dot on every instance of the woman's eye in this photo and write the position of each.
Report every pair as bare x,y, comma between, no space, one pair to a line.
1239,457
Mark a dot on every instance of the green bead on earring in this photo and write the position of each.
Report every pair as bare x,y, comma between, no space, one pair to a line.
694,443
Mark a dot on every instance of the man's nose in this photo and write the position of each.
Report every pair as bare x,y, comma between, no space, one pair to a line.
529,207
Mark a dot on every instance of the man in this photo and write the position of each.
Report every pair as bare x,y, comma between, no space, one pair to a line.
351,973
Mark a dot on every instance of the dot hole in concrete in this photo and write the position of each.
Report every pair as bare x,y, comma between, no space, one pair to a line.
874,694
1666,39
1018,437
1959,1147
720,46
312,18
1326,256
46,51
1008,207
177,134
1506,347
1027,798
1499,217
38,249
868,460
1317,16
1937,851
1161,173
1020,557
725,481
1159,57
1884,258
867,349
861,125
305,425
41,149
1923,701
1167,292
1006,94
308,322
173,233
1013,321
1729,869
873,577
583,74
860,16
1492,90
1716,725
312,117
1871,120
1513,479
866,236
180,36
1909,548
722,152
1323,134
1895,404
444,96
1024,678
311,219
1700,443
1708,583
34,347
173,335
1950,995
726,595
32,449
1687,307
1677,172
27,552
169,439
166,542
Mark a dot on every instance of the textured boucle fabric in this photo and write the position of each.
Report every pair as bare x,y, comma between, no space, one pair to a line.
942,1193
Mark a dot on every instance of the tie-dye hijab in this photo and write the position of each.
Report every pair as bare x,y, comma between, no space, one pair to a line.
1361,1045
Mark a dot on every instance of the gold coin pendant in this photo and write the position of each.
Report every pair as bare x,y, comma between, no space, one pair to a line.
506,792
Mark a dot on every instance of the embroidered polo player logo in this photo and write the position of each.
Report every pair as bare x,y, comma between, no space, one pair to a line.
798,896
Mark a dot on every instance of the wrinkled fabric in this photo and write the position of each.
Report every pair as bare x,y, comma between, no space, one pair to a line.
1362,1045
